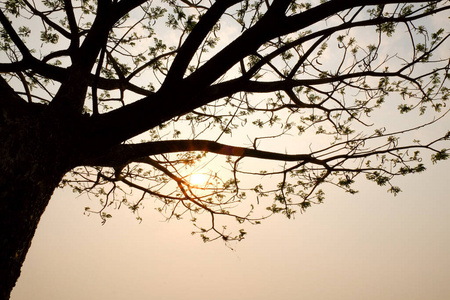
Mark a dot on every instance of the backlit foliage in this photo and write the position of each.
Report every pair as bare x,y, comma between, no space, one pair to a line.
287,96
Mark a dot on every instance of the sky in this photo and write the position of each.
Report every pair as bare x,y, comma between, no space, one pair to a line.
368,246
371,245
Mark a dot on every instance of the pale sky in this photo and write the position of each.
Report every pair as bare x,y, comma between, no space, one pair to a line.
368,246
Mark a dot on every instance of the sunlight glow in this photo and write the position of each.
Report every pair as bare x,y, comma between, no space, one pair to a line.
199,180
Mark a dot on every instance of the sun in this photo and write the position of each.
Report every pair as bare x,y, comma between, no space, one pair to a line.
198,179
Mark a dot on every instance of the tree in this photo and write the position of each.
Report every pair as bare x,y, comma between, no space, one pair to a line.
128,100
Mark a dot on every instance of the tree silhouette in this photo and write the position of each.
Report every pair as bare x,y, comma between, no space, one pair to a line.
127,100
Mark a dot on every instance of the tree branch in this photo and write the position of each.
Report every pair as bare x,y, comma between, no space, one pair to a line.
14,36
9,101
46,20
74,38
194,39
124,154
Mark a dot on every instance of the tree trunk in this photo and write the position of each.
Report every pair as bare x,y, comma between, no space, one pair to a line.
31,166
21,206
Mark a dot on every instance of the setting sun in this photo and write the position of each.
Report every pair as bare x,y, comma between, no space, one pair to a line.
198,180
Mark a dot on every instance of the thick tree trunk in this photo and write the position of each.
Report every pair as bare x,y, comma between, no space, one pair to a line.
31,166
21,206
